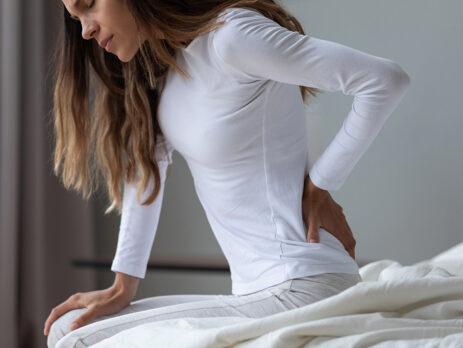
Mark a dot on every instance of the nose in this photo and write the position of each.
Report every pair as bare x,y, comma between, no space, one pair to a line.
88,29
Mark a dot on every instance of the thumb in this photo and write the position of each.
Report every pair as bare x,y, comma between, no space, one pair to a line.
312,236
83,319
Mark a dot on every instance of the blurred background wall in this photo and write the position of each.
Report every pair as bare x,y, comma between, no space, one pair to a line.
403,200
42,226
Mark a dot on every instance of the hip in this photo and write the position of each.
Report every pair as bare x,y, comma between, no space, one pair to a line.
298,292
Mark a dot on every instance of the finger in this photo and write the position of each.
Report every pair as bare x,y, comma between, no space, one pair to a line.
351,253
349,231
312,236
351,243
345,235
57,312
83,319
339,233
348,242
71,303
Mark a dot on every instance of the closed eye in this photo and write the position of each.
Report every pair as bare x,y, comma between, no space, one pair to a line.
88,6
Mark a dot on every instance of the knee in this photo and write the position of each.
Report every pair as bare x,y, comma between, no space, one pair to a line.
60,327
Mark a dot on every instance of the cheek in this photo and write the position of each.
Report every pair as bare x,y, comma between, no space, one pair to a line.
128,37
135,40
129,45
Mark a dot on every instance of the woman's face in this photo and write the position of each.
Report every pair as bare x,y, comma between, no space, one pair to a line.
107,19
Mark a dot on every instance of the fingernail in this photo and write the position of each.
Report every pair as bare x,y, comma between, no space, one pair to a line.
73,326
312,241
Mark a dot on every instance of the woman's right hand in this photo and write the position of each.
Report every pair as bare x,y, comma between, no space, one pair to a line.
98,303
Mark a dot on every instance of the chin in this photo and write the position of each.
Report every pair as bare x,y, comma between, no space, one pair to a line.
124,59
126,56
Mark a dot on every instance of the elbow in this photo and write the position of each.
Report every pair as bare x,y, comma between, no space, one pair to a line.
397,78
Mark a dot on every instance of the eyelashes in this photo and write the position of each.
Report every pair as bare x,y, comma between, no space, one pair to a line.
88,6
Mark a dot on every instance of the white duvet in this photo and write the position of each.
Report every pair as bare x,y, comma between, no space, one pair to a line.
399,306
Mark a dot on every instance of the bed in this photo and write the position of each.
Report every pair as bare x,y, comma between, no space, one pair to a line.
420,305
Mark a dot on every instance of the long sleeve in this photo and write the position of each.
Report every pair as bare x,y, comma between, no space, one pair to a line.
256,47
139,223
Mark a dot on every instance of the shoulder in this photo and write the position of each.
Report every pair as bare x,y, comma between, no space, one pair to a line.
240,27
235,13
244,31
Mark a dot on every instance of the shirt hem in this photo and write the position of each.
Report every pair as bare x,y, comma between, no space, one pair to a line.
289,272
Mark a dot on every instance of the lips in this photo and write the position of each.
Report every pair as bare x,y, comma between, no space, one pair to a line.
105,41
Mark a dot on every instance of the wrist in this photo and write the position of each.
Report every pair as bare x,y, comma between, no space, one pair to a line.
124,283
311,188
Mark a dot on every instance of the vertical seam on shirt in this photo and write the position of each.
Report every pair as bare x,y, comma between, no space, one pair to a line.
272,215
264,150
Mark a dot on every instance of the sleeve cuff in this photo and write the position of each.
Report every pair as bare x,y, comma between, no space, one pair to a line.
133,270
323,183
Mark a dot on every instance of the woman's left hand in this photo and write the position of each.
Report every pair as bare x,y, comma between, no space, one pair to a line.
320,210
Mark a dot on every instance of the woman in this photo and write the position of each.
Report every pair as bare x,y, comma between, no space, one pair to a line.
223,83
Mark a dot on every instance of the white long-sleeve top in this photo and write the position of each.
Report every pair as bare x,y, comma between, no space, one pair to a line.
239,123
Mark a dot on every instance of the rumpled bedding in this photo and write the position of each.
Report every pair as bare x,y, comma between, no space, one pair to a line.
393,306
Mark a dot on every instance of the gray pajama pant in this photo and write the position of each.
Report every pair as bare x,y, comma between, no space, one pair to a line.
291,294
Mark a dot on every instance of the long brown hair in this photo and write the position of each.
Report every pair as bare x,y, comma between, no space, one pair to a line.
118,136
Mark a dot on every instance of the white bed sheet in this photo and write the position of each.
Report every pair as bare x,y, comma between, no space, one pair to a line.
401,306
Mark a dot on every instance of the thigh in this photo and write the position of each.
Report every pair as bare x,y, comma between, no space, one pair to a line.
60,327
291,294
326,284
255,305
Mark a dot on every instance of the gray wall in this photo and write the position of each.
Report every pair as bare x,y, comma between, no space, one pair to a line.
404,199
